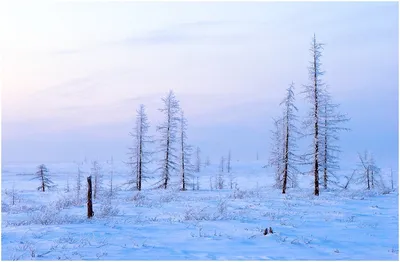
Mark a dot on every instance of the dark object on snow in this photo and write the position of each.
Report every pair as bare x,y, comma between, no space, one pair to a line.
90,212
266,231
270,230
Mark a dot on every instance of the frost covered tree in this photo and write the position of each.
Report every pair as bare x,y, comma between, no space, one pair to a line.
168,130
331,125
42,174
185,149
222,164
228,162
314,93
207,163
198,160
289,120
369,173
140,156
97,174
78,185
277,152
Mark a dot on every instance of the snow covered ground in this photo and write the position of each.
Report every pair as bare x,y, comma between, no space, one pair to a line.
203,224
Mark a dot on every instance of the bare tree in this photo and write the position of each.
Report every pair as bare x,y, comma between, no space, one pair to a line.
43,175
331,126
96,172
277,152
222,164
228,163
78,185
198,160
186,166
207,163
290,158
168,130
140,155
370,173
314,92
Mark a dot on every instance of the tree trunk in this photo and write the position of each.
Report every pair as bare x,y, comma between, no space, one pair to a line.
90,212
316,164
368,187
285,170
42,174
183,163
140,156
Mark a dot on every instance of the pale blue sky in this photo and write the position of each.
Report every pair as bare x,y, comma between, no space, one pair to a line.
73,73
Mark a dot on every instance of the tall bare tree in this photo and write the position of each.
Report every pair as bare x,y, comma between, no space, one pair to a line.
186,166
168,130
314,93
290,158
43,175
140,156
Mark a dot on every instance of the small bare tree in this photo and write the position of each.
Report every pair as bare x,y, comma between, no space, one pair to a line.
168,130
43,175
222,164
228,163
332,122
198,160
186,166
96,172
370,173
277,152
78,185
140,155
207,163
290,158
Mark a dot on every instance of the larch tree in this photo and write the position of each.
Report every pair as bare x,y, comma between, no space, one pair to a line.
314,93
78,185
185,149
198,160
289,121
228,163
277,152
331,125
222,164
168,130
97,174
140,156
42,174
369,172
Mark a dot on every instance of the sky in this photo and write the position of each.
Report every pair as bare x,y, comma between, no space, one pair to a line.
74,73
